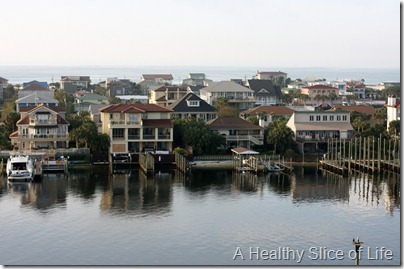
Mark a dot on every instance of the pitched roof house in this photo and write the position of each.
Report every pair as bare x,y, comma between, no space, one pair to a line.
41,127
35,99
166,95
265,92
312,91
134,127
237,131
276,77
238,96
196,79
192,106
267,114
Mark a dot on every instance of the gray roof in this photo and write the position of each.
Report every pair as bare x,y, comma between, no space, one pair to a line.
226,86
182,106
37,97
264,87
94,109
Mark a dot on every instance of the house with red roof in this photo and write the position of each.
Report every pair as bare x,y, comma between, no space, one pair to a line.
136,127
40,127
314,90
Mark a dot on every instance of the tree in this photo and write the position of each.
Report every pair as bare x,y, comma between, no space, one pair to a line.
280,135
9,93
100,143
394,128
253,119
332,96
219,102
114,100
381,115
286,98
228,111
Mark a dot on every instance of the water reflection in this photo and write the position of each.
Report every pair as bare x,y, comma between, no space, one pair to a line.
132,192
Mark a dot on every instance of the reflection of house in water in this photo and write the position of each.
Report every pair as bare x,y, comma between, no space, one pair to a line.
137,194
318,187
49,193
392,197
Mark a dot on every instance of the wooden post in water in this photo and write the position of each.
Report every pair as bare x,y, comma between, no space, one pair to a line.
369,151
349,156
379,152
373,156
364,150
360,149
340,151
389,151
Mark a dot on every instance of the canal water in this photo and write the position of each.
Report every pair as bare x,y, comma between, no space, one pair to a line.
97,217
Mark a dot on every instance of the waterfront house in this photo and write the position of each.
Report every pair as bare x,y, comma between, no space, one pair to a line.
41,127
265,92
192,106
196,79
3,85
136,127
34,99
357,89
42,83
267,114
393,109
312,127
238,96
237,131
71,84
166,95
276,77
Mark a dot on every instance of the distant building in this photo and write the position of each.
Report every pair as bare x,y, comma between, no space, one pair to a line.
166,95
265,92
196,79
238,96
314,90
83,102
159,79
35,88
43,84
3,85
276,77
71,84
119,87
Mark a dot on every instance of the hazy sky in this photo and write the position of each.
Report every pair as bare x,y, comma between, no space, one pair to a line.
239,33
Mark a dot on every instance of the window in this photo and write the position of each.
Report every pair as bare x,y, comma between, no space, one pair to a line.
133,118
111,116
344,117
338,117
118,133
324,118
318,118
311,118
332,118
193,103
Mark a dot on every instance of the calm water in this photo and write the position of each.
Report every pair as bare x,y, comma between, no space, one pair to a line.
20,74
93,217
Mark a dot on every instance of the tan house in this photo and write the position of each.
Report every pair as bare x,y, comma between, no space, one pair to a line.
41,127
314,90
137,127
267,114
238,132
166,95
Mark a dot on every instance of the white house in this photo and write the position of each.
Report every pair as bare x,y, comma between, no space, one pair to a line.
393,109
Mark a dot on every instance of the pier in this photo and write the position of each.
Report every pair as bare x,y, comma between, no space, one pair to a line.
366,154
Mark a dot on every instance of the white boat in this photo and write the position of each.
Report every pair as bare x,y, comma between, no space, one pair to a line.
20,168
274,167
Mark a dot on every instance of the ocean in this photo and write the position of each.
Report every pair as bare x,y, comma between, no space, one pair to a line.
19,74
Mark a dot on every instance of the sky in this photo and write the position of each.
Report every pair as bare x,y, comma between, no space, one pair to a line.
231,33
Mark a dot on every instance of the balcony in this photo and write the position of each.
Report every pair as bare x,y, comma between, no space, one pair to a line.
133,137
42,122
149,137
164,136
44,137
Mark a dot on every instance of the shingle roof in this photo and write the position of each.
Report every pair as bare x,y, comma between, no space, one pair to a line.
270,110
258,84
37,97
35,87
272,73
231,123
182,106
134,108
43,84
226,86
54,108
3,80
59,120
15,134
368,110
168,88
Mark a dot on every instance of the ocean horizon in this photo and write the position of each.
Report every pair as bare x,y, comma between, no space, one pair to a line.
17,74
